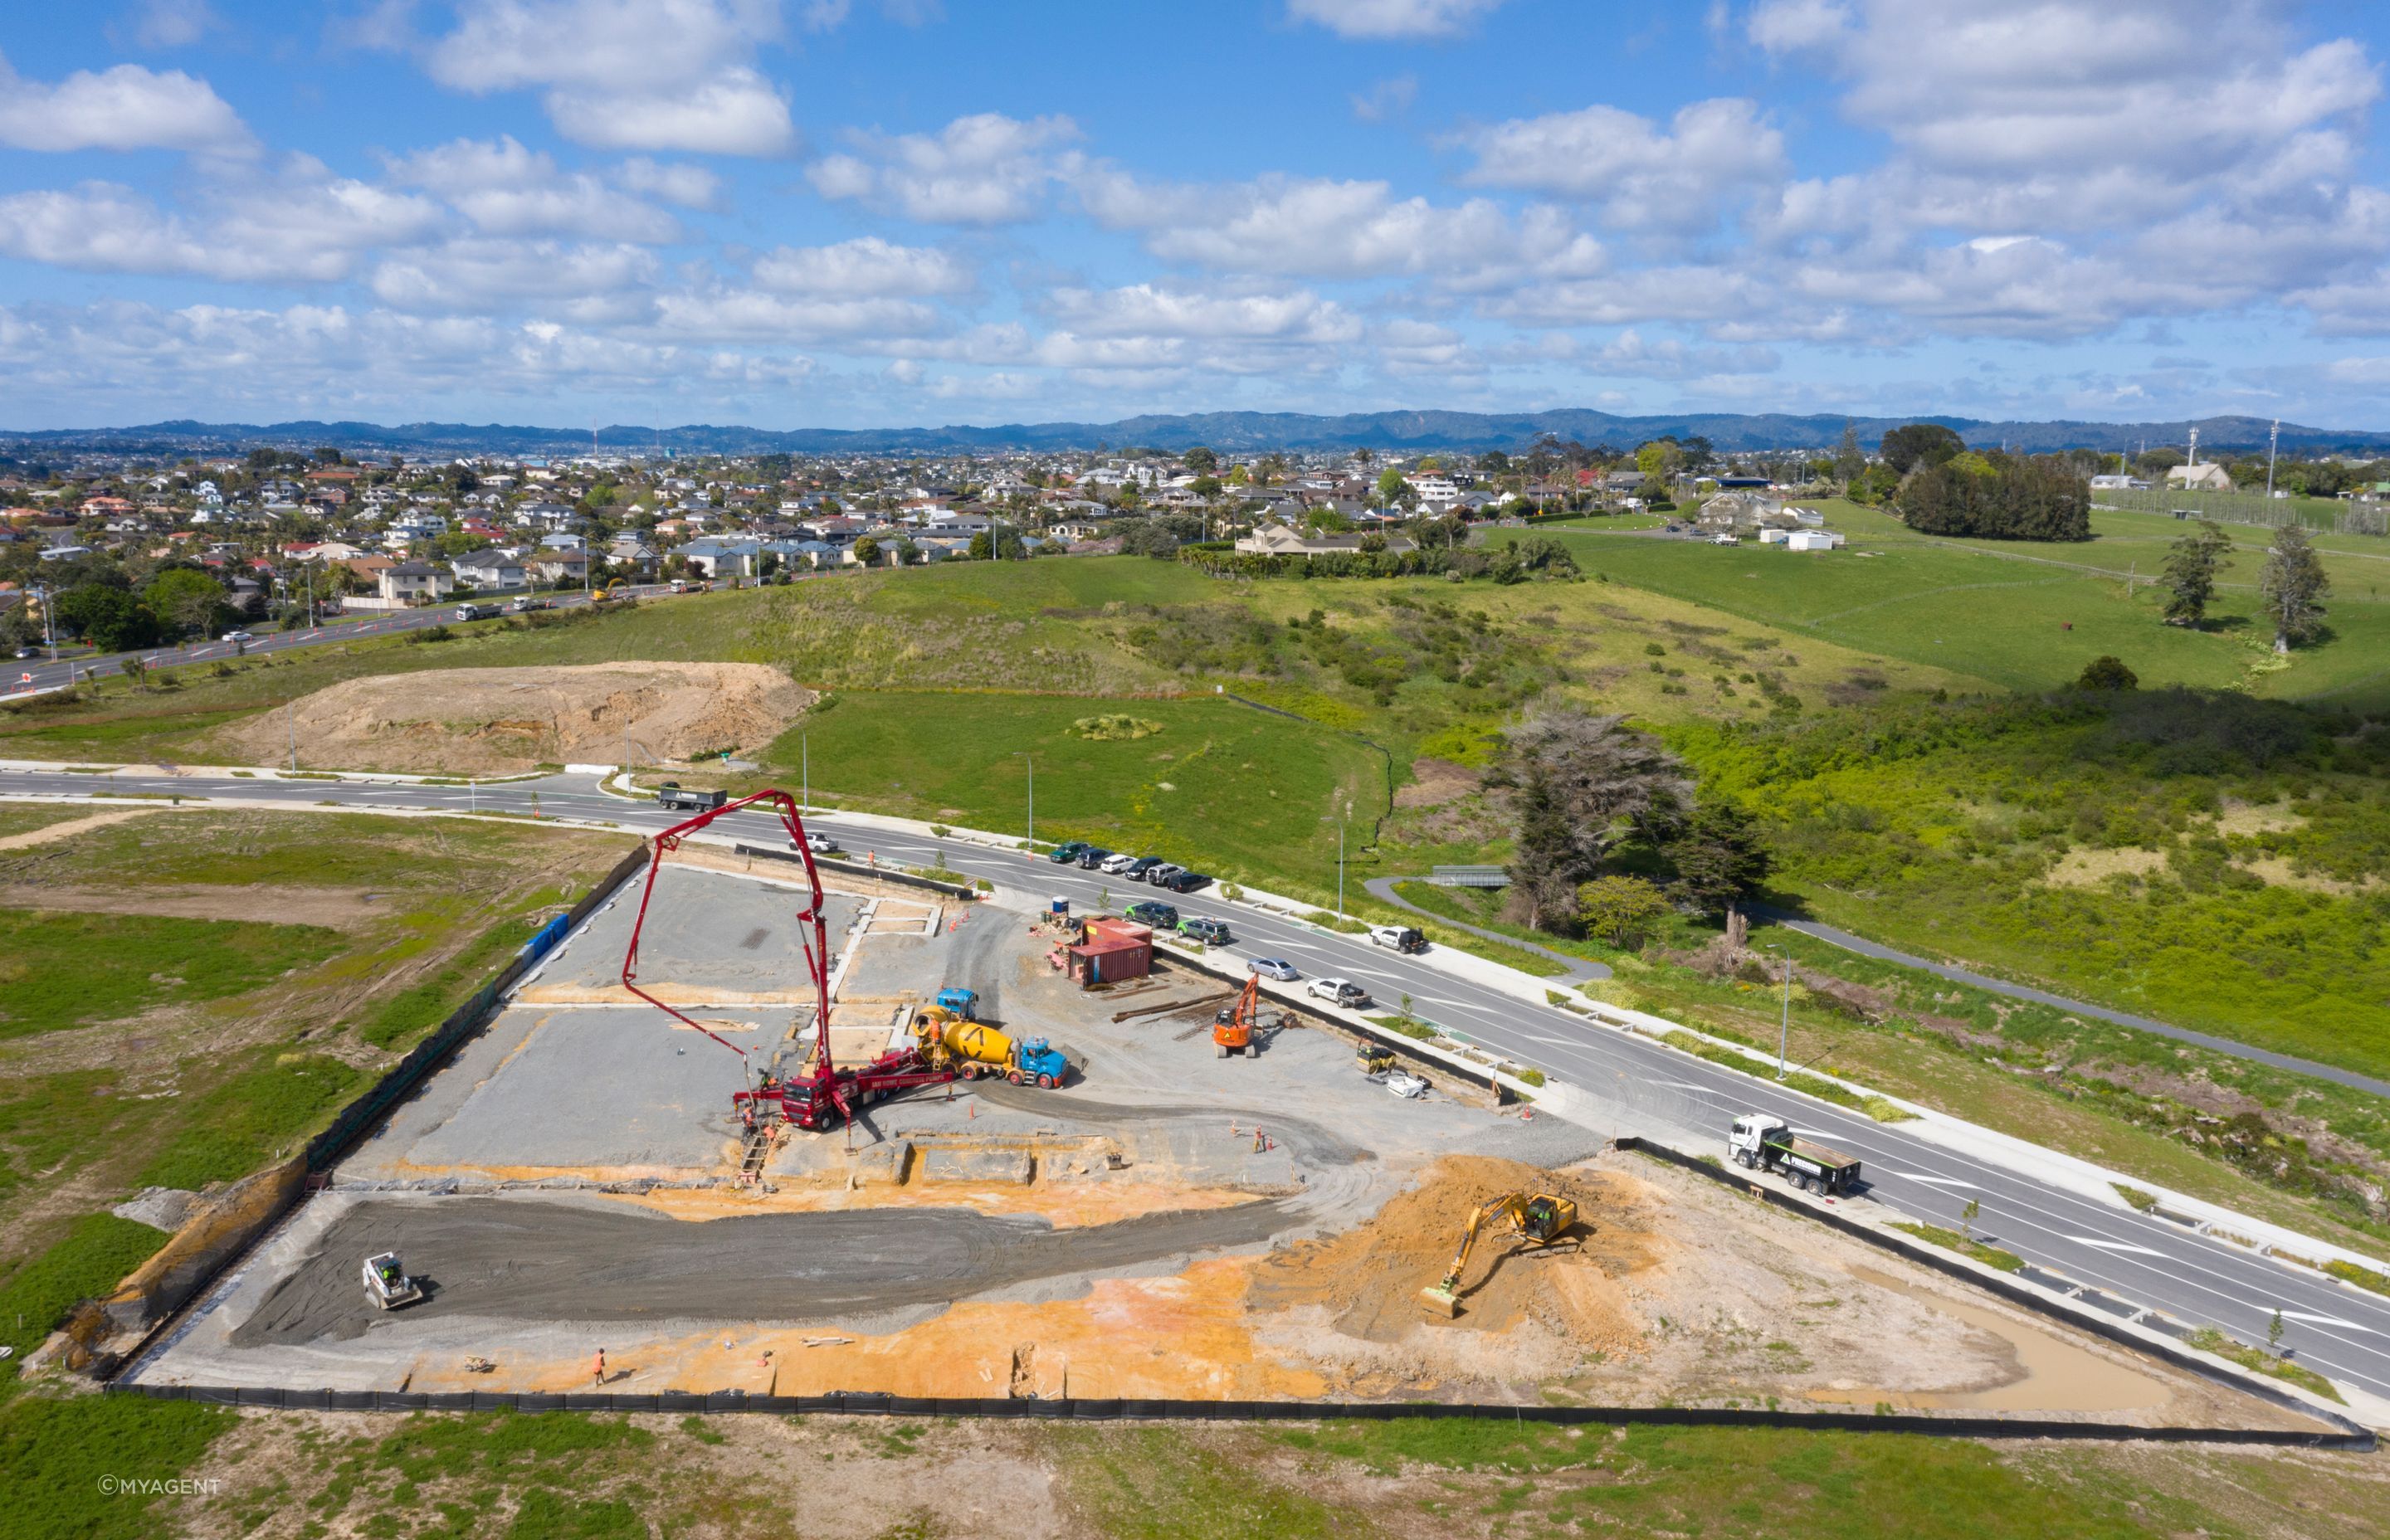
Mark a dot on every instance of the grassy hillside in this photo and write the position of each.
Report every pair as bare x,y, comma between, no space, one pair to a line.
1215,785
2026,616
2206,859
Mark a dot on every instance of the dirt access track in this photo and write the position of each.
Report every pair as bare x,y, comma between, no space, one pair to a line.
501,721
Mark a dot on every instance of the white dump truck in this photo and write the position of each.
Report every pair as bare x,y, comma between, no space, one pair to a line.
1760,1141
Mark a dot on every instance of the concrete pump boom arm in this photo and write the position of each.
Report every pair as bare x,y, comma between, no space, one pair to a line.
816,945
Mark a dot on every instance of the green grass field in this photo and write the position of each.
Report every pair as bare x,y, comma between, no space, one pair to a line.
2025,616
1229,789
66,970
274,1025
597,1478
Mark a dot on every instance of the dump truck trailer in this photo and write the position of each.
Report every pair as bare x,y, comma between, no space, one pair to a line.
1761,1142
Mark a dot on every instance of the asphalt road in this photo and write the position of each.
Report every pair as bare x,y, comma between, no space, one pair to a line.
2337,1330
26,675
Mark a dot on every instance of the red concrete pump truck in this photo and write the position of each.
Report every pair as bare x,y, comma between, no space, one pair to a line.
825,1094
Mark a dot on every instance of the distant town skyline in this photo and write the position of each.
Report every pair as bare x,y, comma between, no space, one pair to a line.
850,213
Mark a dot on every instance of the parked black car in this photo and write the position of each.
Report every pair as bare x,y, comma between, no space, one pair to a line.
1144,864
1092,857
1184,881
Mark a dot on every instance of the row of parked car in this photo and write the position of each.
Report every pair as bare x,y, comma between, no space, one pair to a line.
1136,868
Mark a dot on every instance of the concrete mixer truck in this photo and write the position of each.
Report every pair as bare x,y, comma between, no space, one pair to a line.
973,1048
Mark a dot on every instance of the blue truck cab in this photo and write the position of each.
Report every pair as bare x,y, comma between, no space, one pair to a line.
962,1001
1038,1063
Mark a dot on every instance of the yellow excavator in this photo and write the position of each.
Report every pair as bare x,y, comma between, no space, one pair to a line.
1540,1220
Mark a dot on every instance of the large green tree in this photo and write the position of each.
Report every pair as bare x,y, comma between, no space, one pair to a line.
1720,859
1920,444
108,618
2191,573
1586,784
2293,586
188,602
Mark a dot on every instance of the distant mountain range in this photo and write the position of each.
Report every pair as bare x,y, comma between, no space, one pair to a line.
1232,431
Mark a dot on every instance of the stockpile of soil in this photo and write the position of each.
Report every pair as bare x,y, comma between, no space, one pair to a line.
1517,1304
501,721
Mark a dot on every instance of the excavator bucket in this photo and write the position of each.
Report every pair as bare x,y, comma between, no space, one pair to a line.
1442,1301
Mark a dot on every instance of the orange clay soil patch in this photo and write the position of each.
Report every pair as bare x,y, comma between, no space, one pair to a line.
1183,1336
1066,1205
1367,1280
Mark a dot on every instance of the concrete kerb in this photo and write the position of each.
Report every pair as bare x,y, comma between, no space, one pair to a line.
2131,1333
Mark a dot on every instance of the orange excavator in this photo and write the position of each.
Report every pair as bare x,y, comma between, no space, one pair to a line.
1232,1029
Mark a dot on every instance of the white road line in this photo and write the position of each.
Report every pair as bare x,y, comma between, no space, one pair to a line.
2322,1320
1950,1182
2114,1245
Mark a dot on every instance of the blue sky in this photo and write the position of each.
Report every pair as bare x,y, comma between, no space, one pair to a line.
849,212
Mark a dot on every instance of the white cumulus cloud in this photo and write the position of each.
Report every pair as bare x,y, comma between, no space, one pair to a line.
1644,175
125,108
985,169
629,74
865,266
508,190
1391,19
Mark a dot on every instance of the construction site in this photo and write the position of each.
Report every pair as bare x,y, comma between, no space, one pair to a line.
766,1127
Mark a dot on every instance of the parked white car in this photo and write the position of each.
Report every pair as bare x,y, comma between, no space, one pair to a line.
1340,992
1118,863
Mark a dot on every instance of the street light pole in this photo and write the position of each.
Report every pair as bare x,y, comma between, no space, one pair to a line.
1784,1027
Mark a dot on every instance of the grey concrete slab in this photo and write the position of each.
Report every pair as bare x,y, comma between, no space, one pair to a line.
603,1089
714,930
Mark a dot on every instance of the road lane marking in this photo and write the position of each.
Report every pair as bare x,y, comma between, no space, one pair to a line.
1942,1182
2113,1245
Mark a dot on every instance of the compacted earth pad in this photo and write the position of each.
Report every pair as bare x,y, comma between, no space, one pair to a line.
505,721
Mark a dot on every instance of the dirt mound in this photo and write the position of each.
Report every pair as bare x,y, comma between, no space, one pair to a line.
499,721
1369,1278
